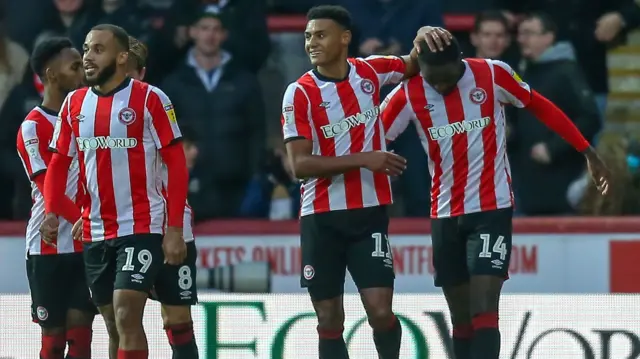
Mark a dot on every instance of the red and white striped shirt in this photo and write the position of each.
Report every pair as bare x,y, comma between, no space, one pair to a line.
341,118
33,139
117,138
463,134
187,225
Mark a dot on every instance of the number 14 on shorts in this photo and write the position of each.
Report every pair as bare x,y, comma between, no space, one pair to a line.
499,247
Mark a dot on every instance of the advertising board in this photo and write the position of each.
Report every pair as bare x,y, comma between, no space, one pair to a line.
260,326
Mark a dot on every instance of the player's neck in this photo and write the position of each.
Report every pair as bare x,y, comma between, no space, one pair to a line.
114,82
52,100
336,71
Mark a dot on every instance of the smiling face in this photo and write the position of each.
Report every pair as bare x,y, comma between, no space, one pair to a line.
325,41
101,57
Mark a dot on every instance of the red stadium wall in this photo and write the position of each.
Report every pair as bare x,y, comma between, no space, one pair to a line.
575,225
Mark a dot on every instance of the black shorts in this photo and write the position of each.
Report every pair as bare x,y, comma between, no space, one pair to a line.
176,285
130,262
332,242
57,284
472,244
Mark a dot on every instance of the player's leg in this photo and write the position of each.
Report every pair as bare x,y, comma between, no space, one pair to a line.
175,288
139,260
100,270
323,274
370,262
47,303
81,311
452,275
489,254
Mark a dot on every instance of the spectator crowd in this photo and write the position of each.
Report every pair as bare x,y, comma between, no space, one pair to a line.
225,75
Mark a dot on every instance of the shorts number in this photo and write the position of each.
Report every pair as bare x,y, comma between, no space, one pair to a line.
144,257
184,278
498,247
378,252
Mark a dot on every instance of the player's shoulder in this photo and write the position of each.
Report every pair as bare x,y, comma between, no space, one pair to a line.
374,58
301,84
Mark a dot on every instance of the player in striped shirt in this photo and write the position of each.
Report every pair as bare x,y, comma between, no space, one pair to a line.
457,106
61,303
121,131
175,287
335,142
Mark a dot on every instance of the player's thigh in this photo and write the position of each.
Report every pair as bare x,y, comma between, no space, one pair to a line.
100,271
139,259
78,296
176,285
449,253
323,254
48,285
489,242
369,253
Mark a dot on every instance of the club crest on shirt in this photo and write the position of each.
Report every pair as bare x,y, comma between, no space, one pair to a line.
478,96
367,86
127,116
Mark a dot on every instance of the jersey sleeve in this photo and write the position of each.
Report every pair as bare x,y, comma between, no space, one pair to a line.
32,143
162,118
396,112
295,114
63,140
509,86
390,69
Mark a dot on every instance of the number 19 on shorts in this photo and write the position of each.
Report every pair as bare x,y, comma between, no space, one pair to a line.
499,247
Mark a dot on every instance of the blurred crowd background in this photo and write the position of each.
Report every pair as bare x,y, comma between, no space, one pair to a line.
225,64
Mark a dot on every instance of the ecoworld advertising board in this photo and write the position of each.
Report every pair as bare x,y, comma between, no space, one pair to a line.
283,327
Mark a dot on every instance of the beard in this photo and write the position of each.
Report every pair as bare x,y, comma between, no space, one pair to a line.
103,76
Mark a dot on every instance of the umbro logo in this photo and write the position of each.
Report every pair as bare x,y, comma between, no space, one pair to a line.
80,118
430,107
325,104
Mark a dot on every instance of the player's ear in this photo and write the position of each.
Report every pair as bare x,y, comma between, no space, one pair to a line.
346,37
123,58
142,73
49,75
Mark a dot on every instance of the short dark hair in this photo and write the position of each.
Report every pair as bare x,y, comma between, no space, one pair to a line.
449,54
488,16
332,12
138,53
46,51
120,34
548,25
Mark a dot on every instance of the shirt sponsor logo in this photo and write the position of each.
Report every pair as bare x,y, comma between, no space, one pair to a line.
438,133
335,129
105,142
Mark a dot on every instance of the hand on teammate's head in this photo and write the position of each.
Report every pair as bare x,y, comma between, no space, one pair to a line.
436,38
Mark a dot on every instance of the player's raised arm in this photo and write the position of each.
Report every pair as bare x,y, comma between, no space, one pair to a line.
167,134
298,137
32,145
393,69
511,89
63,146
395,112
